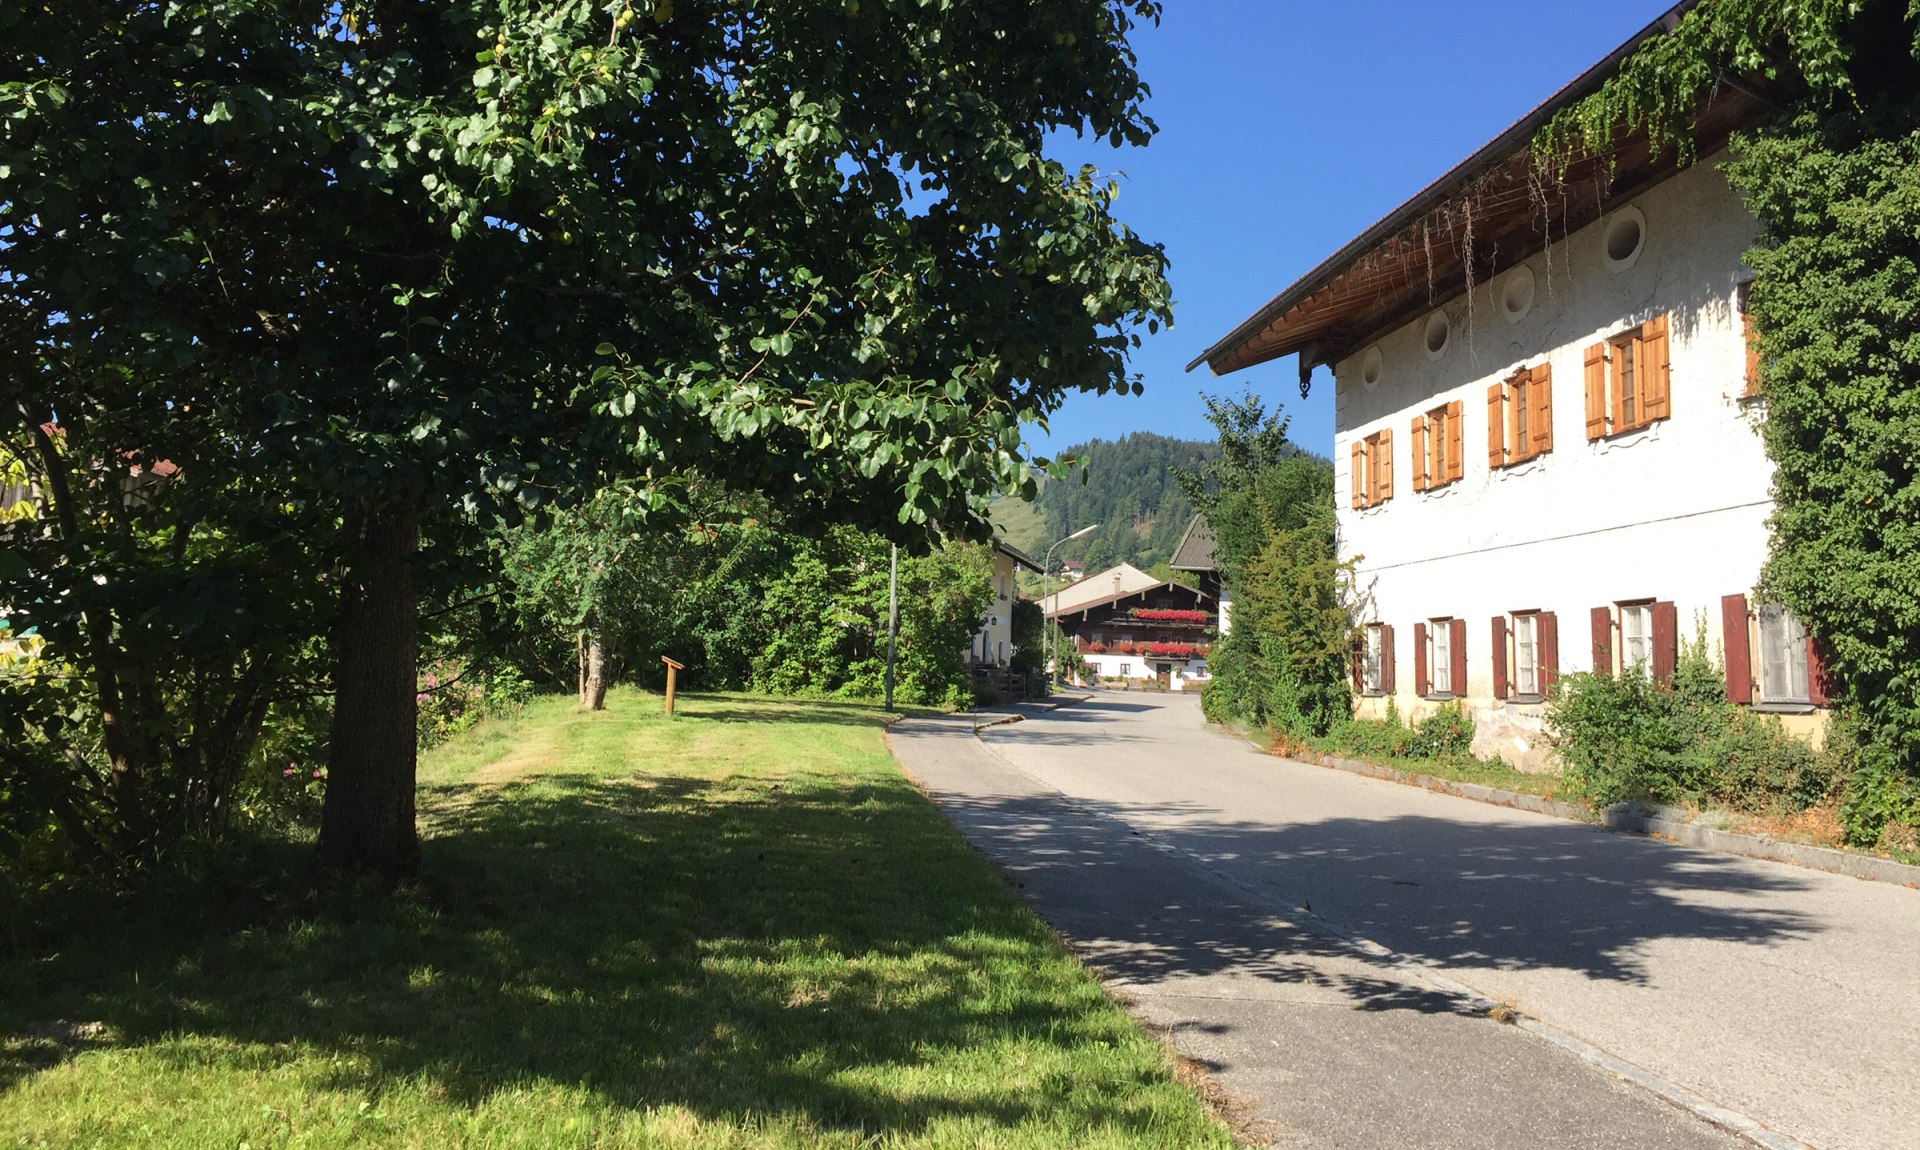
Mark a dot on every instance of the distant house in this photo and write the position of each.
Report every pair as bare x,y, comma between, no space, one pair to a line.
1194,556
1157,631
993,643
1113,581
1545,412
1072,570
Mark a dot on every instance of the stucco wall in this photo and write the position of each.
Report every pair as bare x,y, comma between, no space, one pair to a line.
1676,511
993,643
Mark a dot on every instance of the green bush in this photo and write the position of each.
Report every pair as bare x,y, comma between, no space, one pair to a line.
1445,734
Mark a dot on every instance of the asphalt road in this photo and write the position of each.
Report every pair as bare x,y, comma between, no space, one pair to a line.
1234,898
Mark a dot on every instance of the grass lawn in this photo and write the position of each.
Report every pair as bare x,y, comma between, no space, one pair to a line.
738,928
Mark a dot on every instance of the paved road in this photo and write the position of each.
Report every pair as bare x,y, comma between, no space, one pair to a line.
1222,890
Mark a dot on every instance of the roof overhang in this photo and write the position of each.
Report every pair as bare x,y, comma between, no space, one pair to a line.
1491,212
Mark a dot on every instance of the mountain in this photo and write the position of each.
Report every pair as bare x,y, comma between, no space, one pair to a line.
1126,486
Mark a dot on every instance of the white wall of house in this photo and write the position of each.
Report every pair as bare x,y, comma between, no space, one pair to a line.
1111,666
993,643
1676,511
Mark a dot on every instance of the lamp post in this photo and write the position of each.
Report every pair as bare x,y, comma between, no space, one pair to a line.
1046,577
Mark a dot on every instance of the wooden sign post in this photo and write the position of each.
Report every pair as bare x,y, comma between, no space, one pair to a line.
673,669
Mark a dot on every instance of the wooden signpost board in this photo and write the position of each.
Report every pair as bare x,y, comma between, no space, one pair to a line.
673,670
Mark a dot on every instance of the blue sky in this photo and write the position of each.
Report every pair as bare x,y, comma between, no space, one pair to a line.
1286,129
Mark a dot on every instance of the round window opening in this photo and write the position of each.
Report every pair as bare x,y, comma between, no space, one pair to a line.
1370,366
1625,237
1516,295
1438,331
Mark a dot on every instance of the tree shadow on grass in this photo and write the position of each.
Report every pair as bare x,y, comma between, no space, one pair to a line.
819,949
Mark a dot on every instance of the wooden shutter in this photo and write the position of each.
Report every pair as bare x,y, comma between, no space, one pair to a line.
1736,648
1499,650
1546,638
1540,399
1456,461
1386,659
1420,659
1384,447
1357,657
1359,474
1458,643
1602,640
1666,641
1596,391
1752,337
1417,452
1819,683
1496,425
1653,369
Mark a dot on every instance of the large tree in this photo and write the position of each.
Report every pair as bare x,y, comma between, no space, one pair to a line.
419,267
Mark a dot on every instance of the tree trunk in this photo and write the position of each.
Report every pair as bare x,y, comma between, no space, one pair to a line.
367,824
593,670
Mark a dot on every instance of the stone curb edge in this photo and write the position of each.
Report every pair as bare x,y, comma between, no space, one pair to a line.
1635,821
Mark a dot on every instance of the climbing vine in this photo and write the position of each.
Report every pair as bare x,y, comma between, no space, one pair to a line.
1833,177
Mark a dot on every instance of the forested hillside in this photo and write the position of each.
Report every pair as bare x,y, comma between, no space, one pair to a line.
1125,485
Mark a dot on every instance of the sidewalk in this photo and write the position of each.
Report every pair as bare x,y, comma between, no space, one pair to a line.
1329,1045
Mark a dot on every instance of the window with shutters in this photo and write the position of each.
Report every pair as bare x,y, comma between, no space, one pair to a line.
1372,471
1636,639
1439,656
1783,657
1627,380
1520,416
1372,676
1436,454
1526,654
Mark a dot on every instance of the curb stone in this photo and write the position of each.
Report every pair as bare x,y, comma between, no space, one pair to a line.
1663,822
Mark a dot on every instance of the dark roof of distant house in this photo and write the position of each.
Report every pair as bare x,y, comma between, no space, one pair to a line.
1484,216
1195,552
1018,556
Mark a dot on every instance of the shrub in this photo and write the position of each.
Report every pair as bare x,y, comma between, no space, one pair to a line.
1447,733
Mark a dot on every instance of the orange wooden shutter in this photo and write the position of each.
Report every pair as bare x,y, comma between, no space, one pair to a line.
1420,659
1736,648
1748,333
1386,658
1602,640
1666,641
1653,368
1596,391
1546,637
1456,461
1496,426
1499,650
1417,452
1359,474
1540,399
1384,446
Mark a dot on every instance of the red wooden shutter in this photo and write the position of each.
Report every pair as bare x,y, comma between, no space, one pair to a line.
1417,450
1420,659
1596,391
1540,398
1496,425
1499,650
1666,641
1386,658
1458,642
1546,637
1384,446
1359,473
1737,649
1819,683
1602,640
1653,368
1456,452
1357,659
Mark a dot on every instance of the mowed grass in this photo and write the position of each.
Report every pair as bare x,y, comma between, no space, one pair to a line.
741,927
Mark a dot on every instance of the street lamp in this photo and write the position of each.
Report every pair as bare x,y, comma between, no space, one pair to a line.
1046,577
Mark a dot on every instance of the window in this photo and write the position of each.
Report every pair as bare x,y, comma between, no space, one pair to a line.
1437,459
1636,638
1526,654
1783,657
1626,377
1529,643
1372,474
1520,416
1440,666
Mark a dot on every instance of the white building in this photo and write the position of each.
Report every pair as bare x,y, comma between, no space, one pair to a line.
993,644
1545,431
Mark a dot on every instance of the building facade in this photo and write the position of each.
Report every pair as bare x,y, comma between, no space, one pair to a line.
1157,633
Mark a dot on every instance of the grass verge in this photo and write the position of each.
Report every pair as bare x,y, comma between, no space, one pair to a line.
741,927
